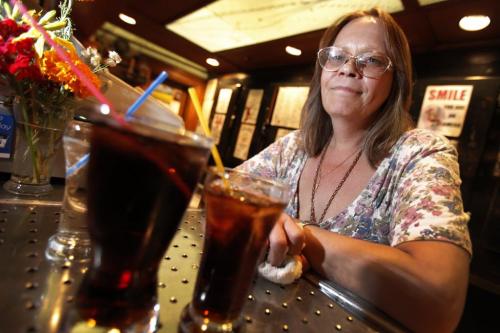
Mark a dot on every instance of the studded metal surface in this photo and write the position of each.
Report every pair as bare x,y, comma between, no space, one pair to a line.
34,292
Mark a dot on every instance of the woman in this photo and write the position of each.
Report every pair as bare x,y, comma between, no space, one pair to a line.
380,202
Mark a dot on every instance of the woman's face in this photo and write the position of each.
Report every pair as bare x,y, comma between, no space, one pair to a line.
346,93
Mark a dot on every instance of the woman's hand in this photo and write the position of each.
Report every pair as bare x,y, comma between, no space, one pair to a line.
287,237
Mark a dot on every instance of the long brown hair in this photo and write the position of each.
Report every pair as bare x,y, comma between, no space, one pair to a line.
391,120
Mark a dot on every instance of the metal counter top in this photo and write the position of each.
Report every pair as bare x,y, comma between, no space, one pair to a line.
35,292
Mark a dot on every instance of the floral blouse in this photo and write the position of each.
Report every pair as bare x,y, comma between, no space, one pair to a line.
413,195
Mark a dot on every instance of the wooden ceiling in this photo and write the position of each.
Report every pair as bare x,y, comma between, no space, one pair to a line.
430,28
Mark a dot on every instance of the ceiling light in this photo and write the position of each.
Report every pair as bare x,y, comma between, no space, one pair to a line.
127,19
293,51
474,22
212,62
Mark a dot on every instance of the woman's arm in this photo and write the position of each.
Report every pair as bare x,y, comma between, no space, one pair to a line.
422,284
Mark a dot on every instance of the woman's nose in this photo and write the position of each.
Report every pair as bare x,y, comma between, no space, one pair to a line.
349,68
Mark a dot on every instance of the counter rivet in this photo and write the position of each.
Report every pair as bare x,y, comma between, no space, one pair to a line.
32,221
29,305
161,285
67,282
284,304
33,212
66,265
311,292
349,318
268,291
192,228
330,305
70,299
175,245
248,319
338,327
167,258
31,285
185,236
2,230
184,255
195,266
1,241
173,299
3,220
193,244
267,311
317,313
179,229
34,230
31,329
32,255
184,280
299,298
304,320
285,327
4,211
173,269
31,269
33,241
57,213
201,235
250,297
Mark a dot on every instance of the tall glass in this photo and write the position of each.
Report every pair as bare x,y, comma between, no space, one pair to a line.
241,210
142,175
71,241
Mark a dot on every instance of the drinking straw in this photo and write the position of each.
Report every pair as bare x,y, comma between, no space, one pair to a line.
131,110
162,77
204,125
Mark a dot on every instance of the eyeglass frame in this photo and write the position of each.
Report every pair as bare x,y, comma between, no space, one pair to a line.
355,57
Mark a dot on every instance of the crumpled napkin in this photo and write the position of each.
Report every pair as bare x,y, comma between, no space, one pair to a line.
290,270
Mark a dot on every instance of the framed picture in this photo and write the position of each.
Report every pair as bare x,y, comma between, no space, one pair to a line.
217,125
252,106
288,106
444,108
243,142
223,100
281,132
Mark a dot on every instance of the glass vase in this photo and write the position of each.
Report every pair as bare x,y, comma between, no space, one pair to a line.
39,131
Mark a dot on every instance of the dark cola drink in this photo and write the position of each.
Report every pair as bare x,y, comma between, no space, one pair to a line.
239,219
140,183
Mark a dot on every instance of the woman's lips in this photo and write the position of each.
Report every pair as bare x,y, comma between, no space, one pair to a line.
346,90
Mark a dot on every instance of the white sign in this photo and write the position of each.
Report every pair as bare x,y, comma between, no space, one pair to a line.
223,100
244,140
288,106
217,125
252,106
444,109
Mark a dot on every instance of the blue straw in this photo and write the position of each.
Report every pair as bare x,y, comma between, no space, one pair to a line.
162,77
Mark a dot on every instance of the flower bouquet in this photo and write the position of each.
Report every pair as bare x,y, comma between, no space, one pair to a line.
43,89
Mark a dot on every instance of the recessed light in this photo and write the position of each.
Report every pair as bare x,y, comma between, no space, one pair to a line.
212,62
474,22
293,51
127,19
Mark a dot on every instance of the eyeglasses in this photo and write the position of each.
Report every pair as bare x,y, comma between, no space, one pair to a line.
370,64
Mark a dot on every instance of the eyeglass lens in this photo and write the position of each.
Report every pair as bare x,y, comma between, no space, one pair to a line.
368,64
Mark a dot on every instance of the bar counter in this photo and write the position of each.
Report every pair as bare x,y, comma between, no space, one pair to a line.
36,292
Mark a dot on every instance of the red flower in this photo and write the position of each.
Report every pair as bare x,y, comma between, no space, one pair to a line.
9,28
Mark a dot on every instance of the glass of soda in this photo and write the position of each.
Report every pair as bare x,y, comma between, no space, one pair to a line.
71,242
241,210
141,177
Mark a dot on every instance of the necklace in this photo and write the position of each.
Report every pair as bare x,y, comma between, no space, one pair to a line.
339,186
321,176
